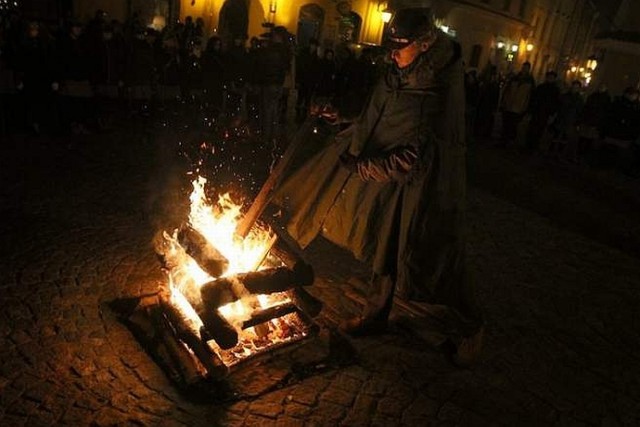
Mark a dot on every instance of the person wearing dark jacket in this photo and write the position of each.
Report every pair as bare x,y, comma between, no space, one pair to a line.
623,119
35,75
515,103
488,100
273,62
212,71
391,189
543,106
592,119
307,76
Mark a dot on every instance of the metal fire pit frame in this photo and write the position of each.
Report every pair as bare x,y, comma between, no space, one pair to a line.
208,355
311,330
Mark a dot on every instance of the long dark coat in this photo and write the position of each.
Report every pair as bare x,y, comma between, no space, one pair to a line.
403,210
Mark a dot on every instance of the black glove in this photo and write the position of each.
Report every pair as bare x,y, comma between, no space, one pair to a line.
349,161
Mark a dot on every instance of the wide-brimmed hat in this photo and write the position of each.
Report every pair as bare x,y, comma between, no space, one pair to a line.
408,25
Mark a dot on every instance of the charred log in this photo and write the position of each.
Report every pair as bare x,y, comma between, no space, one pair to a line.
228,289
204,253
175,351
262,316
189,334
217,327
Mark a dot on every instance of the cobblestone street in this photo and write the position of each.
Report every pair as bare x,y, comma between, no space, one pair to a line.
554,249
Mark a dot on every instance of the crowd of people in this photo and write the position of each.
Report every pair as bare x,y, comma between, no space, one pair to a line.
61,78
65,79
553,118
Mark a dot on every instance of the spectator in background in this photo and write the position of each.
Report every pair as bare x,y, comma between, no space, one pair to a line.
622,129
212,69
307,76
488,99
564,126
109,63
592,120
472,96
327,69
273,62
141,73
76,91
36,78
346,78
623,120
543,106
515,102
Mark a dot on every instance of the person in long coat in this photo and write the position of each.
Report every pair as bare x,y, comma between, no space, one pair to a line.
391,187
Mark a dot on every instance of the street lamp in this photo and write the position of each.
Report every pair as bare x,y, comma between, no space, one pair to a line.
529,47
592,63
514,48
500,45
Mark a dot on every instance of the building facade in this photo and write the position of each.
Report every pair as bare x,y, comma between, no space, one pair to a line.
550,34
618,50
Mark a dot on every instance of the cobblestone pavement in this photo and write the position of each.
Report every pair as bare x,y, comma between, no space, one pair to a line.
561,304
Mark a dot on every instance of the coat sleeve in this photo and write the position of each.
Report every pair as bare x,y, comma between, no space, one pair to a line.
392,166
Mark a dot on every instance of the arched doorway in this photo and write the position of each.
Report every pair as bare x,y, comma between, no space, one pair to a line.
310,19
234,21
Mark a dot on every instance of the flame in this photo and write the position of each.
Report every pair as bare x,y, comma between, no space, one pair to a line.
217,223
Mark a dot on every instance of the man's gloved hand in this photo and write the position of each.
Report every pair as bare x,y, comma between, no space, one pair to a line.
349,161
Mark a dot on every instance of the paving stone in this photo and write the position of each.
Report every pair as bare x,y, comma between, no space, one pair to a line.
83,367
421,408
347,383
327,413
376,386
361,412
297,410
265,409
42,418
22,407
255,420
238,407
305,395
336,395
109,417
449,412
19,337
40,391
14,420
77,416
289,422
